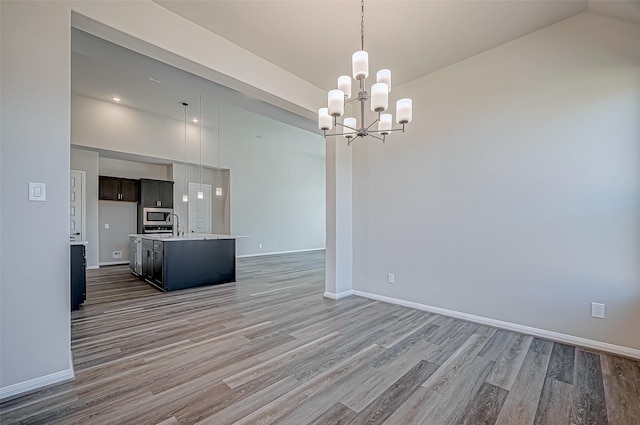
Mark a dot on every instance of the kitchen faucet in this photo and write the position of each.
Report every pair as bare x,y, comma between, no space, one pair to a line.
176,228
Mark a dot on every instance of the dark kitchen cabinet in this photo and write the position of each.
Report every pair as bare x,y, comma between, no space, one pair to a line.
78,276
158,250
118,189
152,261
156,193
147,259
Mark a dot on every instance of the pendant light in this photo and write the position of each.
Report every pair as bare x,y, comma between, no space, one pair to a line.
218,187
200,192
185,197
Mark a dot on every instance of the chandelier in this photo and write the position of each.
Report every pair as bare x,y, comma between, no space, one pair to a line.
351,128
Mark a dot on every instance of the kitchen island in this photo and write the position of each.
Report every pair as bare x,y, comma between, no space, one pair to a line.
171,262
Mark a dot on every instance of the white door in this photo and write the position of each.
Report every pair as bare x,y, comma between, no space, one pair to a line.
77,206
199,209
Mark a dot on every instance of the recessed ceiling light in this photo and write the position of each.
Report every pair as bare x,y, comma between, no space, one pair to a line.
116,98
154,80
195,120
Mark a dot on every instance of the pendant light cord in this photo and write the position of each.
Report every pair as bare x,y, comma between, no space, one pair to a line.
218,139
200,142
186,182
362,25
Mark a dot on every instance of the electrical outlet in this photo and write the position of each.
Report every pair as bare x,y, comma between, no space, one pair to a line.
391,278
117,254
597,310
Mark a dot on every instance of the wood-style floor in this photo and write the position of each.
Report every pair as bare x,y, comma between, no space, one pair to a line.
270,349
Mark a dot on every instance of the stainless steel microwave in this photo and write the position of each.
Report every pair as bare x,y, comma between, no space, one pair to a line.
157,216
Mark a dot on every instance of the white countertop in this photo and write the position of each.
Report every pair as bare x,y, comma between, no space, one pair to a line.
188,237
79,243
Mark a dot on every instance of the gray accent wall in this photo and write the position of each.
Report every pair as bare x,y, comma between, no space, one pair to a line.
515,193
34,274
121,217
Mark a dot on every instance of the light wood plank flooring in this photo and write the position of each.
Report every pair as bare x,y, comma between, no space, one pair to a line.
270,349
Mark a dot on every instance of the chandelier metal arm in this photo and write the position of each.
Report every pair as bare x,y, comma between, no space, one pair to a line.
379,96
351,139
377,119
336,123
376,137
385,131
354,135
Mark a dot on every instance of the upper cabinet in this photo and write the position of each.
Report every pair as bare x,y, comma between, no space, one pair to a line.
118,189
156,193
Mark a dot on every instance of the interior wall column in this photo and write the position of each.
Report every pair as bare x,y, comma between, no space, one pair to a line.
339,262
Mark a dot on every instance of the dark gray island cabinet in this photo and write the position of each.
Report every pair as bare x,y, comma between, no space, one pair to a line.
171,262
78,274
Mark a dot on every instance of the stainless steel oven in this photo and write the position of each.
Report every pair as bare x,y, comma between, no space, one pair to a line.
162,217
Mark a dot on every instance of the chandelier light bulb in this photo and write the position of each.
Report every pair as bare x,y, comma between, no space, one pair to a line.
384,76
218,191
336,103
350,124
200,195
404,111
360,61
384,125
344,84
325,122
185,198
377,94
379,97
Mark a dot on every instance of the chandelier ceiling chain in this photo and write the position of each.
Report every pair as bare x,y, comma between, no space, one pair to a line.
362,25
328,117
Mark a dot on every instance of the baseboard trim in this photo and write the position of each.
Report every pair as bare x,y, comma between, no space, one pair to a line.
92,267
21,388
335,296
542,333
113,263
261,254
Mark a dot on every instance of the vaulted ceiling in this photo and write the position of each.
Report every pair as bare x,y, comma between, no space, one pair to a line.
314,39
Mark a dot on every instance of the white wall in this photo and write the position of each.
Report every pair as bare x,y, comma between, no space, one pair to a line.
87,161
515,193
133,169
220,205
277,172
277,175
34,277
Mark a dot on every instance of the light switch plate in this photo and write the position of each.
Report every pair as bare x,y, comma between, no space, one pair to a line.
597,310
37,191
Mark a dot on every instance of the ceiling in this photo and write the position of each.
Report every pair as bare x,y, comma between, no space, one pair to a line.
314,39
101,70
